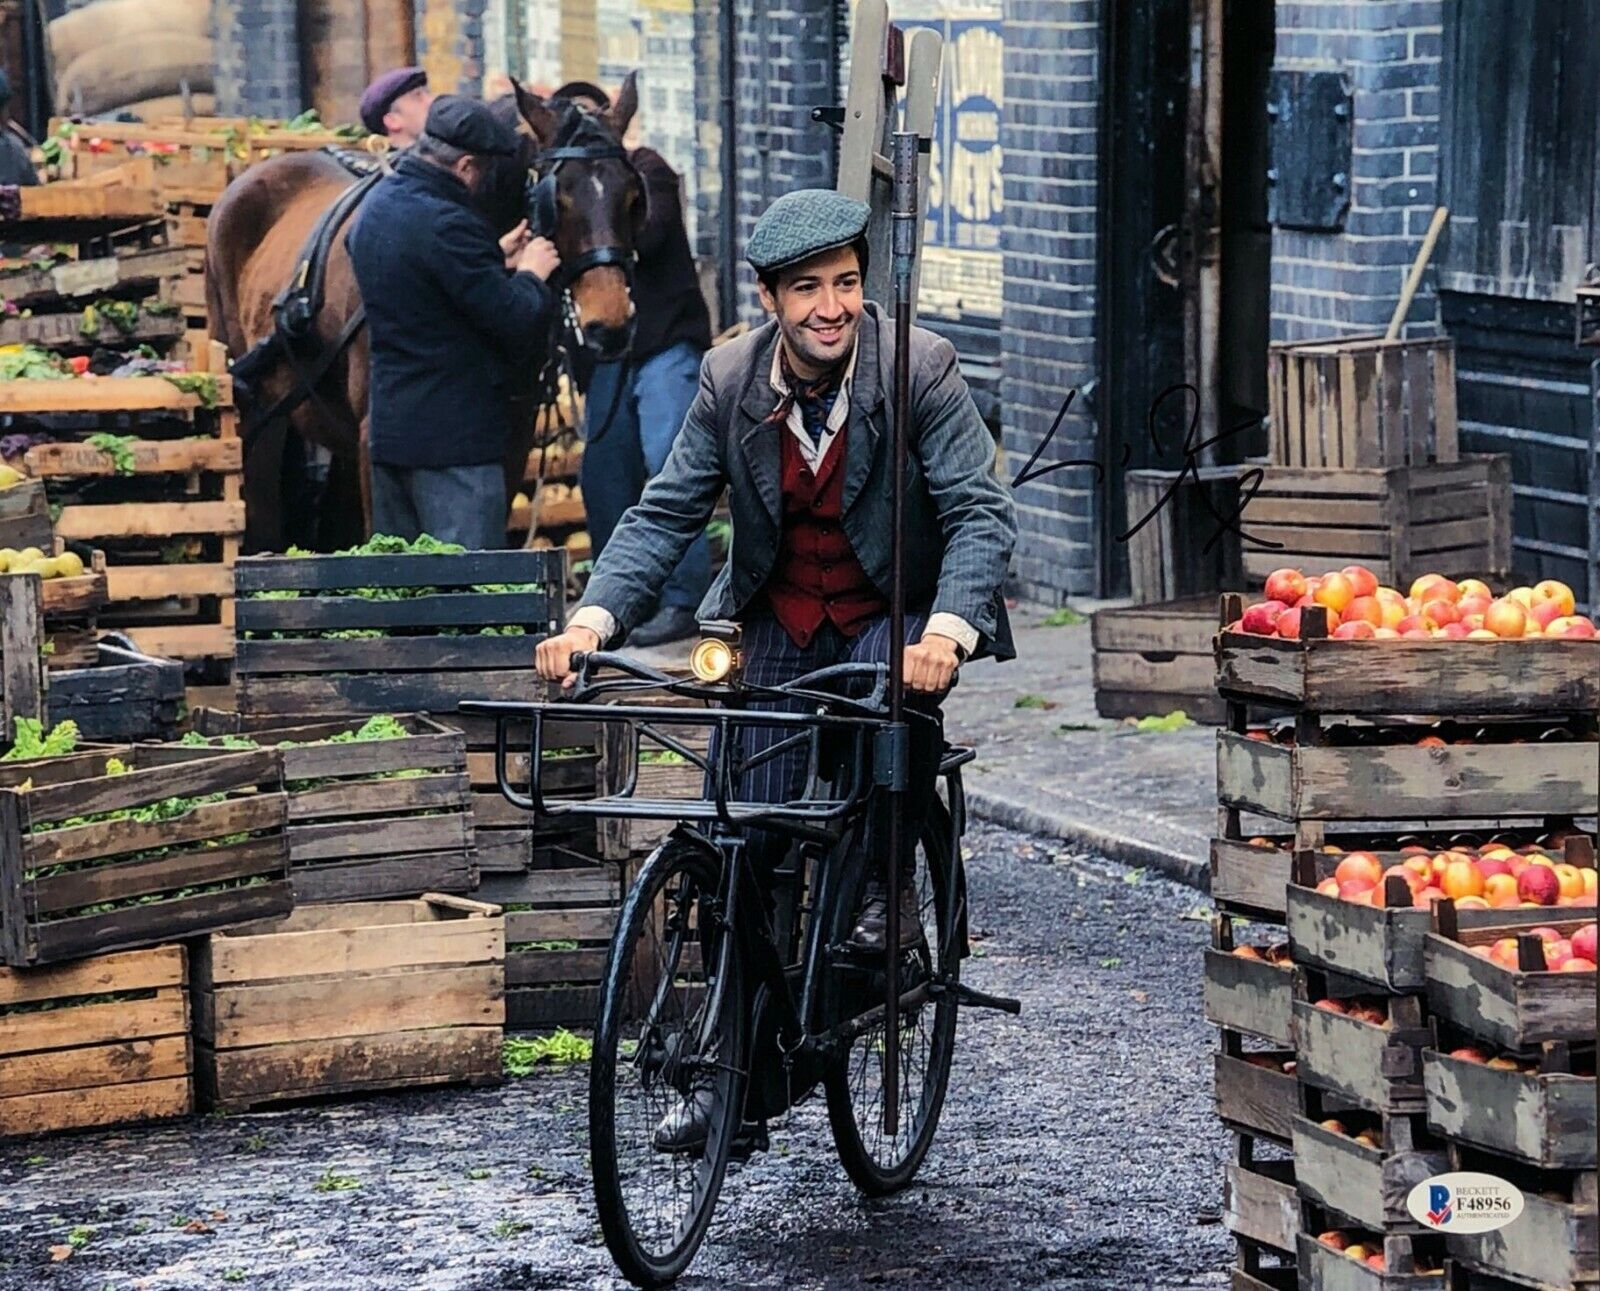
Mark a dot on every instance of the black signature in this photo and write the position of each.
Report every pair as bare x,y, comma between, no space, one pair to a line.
1249,480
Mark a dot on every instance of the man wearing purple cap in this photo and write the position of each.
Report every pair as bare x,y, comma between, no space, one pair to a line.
396,105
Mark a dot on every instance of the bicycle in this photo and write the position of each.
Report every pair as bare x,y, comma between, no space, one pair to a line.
711,992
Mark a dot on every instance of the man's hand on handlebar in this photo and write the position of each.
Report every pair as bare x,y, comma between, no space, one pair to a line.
553,657
931,664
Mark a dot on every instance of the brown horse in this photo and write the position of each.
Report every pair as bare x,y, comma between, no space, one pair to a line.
254,241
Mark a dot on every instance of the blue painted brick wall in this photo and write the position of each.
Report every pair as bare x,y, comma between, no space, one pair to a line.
1050,134
257,56
1327,284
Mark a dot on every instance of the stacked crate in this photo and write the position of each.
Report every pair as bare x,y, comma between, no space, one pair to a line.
194,161
296,656
1365,466
1509,748
150,470
1510,1087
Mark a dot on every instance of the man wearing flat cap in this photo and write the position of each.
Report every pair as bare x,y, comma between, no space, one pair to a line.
794,420
396,105
457,319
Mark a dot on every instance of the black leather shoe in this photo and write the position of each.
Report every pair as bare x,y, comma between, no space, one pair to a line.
687,1126
671,623
872,927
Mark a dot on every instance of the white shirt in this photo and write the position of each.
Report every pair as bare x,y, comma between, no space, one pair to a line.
813,451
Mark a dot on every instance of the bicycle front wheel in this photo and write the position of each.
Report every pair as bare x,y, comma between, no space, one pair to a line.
671,1029
878,1163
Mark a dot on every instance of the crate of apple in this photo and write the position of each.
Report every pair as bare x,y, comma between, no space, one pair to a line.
1491,877
1356,608
1368,1250
1514,986
1470,1086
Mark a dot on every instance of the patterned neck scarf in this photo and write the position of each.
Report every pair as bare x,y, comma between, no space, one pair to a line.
814,397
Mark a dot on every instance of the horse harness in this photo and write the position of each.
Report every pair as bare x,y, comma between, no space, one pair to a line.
579,138
294,312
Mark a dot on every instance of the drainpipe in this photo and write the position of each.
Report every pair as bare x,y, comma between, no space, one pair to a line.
728,212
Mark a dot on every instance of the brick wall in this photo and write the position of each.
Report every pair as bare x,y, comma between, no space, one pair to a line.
1050,134
1340,283
785,54
450,44
257,54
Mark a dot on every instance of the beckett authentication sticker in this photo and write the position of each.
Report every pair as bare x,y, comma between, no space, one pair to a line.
1464,1203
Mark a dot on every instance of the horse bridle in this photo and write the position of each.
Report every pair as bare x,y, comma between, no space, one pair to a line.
543,217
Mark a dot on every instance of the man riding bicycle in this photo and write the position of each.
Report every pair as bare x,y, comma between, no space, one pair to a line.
793,420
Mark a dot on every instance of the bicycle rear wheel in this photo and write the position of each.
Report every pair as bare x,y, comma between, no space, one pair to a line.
877,1163
672,1020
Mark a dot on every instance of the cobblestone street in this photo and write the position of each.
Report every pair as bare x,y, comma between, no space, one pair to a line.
1078,1150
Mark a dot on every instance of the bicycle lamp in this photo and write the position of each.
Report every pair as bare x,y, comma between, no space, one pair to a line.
715,656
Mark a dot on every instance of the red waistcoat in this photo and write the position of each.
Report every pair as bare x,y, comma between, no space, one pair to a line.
817,576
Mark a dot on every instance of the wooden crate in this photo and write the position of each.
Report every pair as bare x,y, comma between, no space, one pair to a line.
559,922
1444,678
1362,402
369,819
1252,995
1152,659
1377,1068
510,840
1516,1009
344,998
25,517
659,772
171,521
1369,1185
433,655
1173,555
1254,1094
1382,945
1259,1201
1324,1269
1398,521
124,695
141,271
96,1042
222,861
1546,1118
1397,781
1251,876
1554,1245
73,332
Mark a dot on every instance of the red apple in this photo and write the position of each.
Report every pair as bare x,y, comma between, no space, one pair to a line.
1557,592
1539,883
1583,942
1336,592
1470,1053
1506,619
1545,612
1575,626
1365,609
1285,586
1360,630
1260,617
1436,613
1577,965
1362,579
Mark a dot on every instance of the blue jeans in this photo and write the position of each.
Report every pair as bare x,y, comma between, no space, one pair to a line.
462,504
652,398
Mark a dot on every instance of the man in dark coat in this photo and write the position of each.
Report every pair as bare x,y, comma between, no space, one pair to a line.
457,319
634,408
16,167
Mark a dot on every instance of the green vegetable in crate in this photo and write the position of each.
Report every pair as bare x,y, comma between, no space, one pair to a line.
32,741
119,448
30,363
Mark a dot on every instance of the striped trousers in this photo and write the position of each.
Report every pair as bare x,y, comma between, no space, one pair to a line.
772,658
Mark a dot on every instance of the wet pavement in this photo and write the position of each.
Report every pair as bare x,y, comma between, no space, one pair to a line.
1078,1150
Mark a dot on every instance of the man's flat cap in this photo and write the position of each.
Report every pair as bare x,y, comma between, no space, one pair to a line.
468,125
381,94
802,224
583,90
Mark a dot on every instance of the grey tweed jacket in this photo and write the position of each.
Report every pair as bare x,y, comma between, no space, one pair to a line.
960,521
